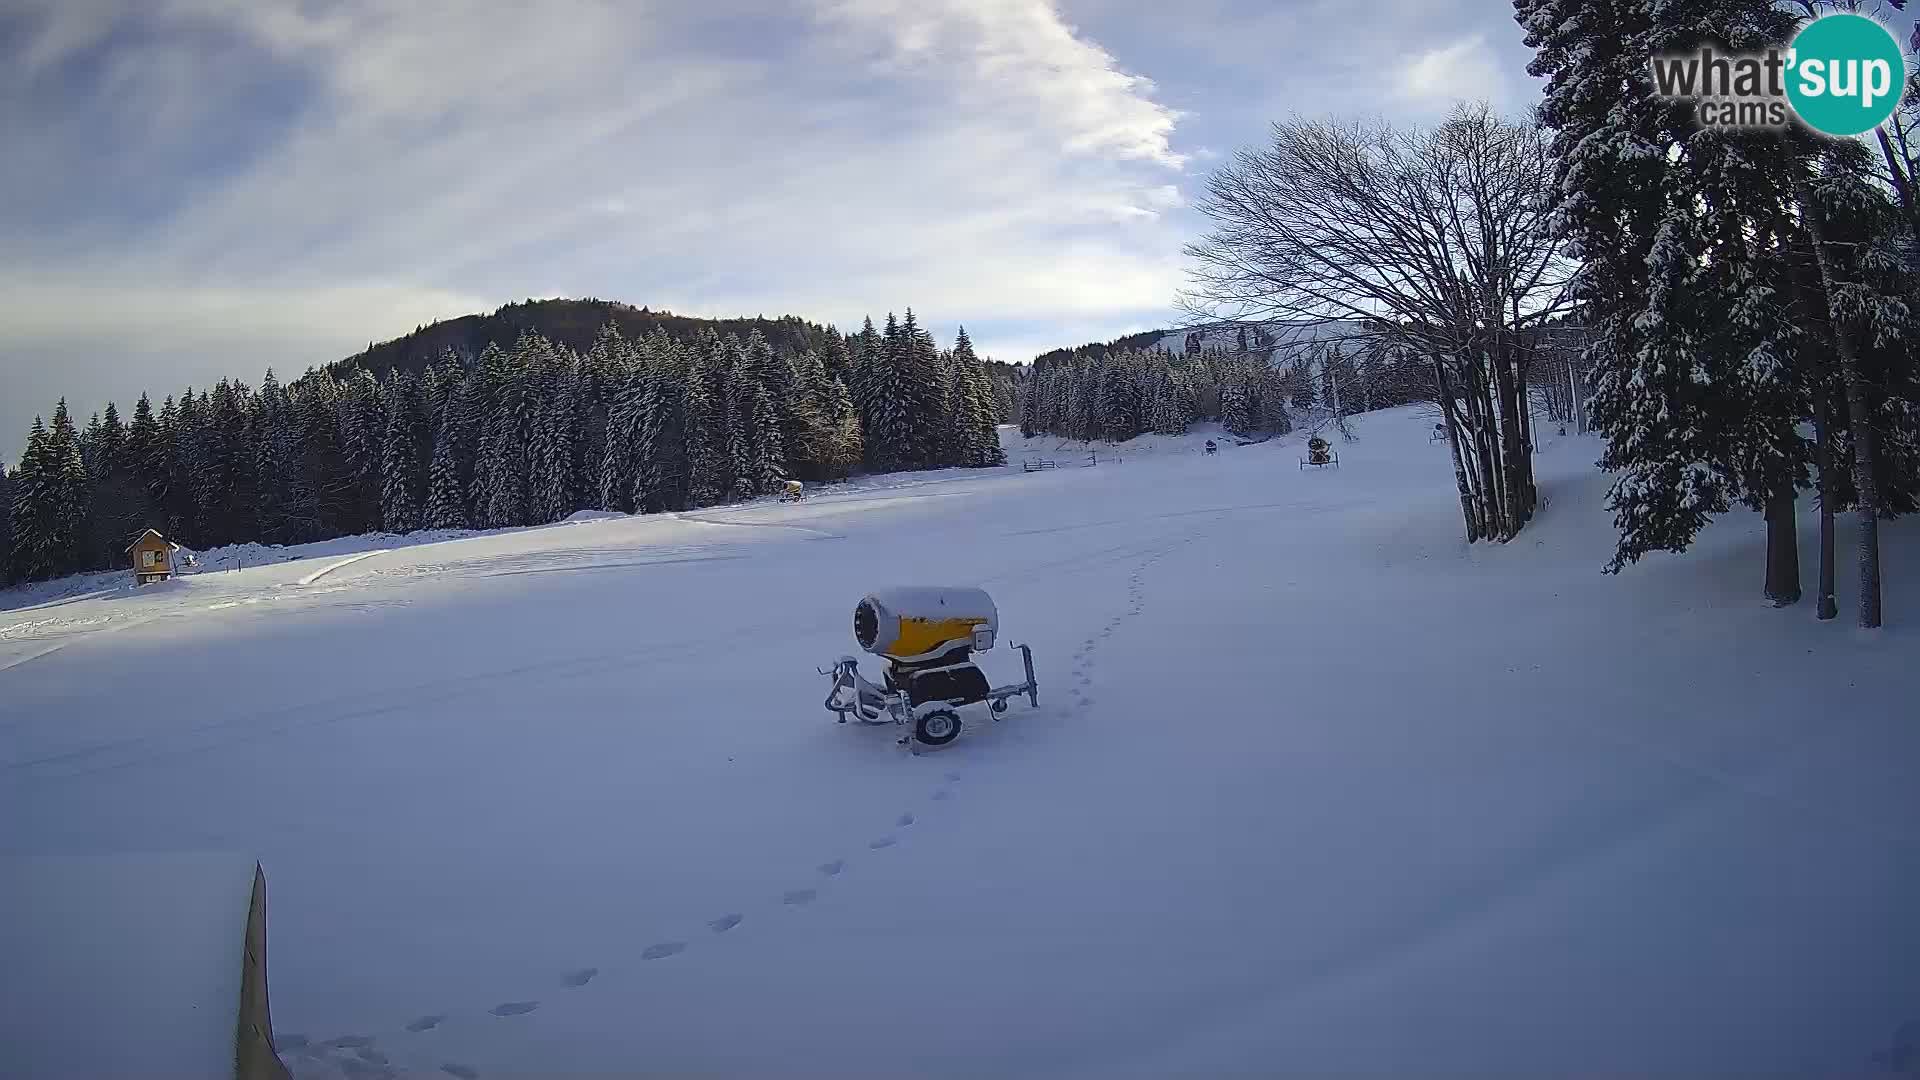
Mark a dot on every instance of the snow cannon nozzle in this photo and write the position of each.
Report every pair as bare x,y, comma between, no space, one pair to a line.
919,622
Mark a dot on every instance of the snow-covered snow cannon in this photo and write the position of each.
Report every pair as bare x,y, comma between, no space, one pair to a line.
1319,454
926,636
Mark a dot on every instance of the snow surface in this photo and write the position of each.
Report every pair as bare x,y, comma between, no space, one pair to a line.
1313,788
125,965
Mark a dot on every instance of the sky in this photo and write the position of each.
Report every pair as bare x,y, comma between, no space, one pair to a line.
194,189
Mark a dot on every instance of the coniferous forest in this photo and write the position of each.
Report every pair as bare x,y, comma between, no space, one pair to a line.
521,433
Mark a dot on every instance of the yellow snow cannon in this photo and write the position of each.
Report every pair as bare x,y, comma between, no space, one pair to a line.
927,636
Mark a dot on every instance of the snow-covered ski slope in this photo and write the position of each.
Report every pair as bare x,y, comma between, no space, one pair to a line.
1314,789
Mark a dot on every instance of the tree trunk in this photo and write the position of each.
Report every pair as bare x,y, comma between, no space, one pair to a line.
1867,492
1825,607
1529,490
1468,504
1512,439
1783,548
1486,448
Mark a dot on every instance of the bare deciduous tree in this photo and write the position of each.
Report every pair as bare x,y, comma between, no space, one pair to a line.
1434,240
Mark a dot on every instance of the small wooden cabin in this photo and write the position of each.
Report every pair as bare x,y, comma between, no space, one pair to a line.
152,556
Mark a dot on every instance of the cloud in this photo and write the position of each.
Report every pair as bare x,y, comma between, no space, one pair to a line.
1464,69
218,185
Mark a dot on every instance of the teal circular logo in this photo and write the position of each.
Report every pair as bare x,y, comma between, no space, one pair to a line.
1846,74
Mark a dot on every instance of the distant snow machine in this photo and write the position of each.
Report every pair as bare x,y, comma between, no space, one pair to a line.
927,635
790,491
1319,454
1211,448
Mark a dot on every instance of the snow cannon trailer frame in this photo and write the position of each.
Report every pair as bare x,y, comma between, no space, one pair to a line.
927,637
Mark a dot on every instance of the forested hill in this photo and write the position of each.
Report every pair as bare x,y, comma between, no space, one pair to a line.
572,323
1146,339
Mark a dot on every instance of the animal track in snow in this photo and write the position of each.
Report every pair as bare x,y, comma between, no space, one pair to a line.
883,842
799,897
581,977
426,1023
348,1042
371,1056
942,795
514,1008
725,923
953,776
357,1067
905,820
832,869
290,1041
663,950
464,1072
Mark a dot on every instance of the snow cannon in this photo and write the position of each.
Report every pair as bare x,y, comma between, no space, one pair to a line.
926,636
917,624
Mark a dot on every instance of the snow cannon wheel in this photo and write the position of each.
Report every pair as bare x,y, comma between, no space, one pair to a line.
998,706
937,727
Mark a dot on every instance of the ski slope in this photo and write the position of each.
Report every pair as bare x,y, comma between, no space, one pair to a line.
1313,788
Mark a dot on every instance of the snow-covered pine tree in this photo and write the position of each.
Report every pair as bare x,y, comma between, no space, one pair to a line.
402,486
864,351
597,381
446,480
551,445
500,473
923,384
845,443
1118,407
1168,417
64,534
186,442
979,435
363,429
888,422
620,465
1693,377
1237,409
729,392
119,496
662,468
704,428
34,518
326,494
776,376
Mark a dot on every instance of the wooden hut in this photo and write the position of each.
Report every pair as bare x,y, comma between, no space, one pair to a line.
152,556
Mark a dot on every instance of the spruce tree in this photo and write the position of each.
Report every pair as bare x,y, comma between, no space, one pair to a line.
552,470
619,463
500,475
704,435
402,485
890,401
1694,382
325,497
447,476
662,467
64,536
778,422
35,517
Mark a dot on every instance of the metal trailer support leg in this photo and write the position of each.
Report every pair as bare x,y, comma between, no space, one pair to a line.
1033,688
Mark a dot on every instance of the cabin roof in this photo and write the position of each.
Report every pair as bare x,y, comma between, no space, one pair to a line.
142,538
